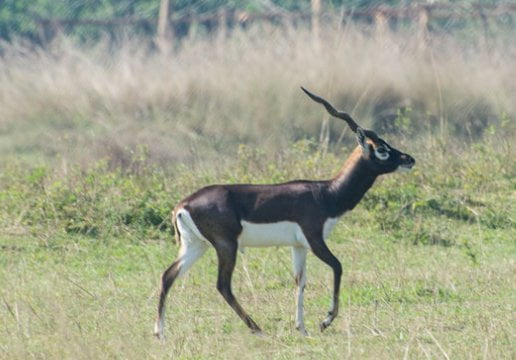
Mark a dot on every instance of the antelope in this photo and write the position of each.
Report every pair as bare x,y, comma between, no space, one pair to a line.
299,214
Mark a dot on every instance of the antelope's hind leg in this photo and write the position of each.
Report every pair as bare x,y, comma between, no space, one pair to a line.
191,250
227,253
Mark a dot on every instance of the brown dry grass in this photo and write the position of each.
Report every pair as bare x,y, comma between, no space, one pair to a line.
83,102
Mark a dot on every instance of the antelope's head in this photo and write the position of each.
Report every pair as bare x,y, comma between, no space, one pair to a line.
381,157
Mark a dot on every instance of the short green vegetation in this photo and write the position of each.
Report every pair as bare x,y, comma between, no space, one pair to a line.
429,258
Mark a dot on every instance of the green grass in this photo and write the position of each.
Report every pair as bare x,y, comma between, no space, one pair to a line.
76,298
429,261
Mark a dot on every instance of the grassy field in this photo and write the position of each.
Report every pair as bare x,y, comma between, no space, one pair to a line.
96,148
429,262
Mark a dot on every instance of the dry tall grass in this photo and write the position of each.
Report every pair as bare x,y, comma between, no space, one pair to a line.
83,102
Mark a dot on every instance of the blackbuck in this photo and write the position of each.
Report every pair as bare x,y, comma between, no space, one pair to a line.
299,214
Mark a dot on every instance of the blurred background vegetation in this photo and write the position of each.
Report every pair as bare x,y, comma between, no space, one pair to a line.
108,115
81,80
86,20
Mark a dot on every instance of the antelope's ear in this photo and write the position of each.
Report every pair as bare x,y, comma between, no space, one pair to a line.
362,141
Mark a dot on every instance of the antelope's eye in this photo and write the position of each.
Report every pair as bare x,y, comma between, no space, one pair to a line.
381,153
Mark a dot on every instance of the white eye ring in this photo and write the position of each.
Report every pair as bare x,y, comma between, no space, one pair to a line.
382,155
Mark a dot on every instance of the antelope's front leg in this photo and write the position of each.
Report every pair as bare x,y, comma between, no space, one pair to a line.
299,264
322,252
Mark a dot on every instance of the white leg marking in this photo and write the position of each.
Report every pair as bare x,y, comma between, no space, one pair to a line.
328,226
299,264
329,319
160,325
193,246
189,254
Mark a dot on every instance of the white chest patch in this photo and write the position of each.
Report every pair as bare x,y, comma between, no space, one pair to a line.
329,224
283,233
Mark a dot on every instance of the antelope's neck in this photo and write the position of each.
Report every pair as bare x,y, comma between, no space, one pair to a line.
351,183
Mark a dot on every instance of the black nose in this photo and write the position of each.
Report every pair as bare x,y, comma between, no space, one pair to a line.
408,160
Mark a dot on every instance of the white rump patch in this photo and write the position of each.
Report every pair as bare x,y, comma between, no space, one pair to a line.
283,233
187,228
193,243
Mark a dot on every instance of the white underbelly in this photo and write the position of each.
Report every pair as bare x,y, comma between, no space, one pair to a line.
283,233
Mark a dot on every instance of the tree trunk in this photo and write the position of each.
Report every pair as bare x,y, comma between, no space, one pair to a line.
164,33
